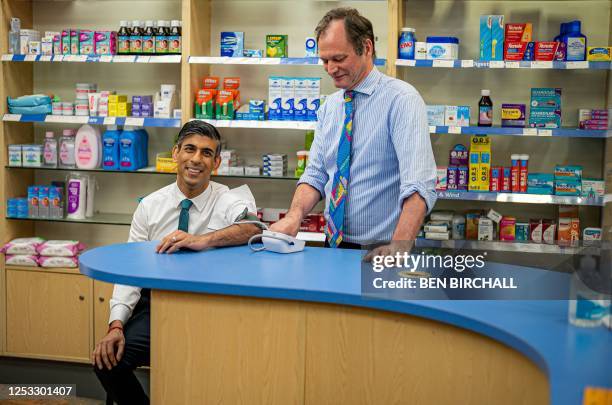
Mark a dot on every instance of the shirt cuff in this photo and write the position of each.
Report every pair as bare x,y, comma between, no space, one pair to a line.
427,193
313,182
119,312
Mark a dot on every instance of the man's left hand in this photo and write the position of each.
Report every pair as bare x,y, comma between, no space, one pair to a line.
391,249
179,239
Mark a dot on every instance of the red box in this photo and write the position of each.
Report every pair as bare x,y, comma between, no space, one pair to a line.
545,50
518,32
515,51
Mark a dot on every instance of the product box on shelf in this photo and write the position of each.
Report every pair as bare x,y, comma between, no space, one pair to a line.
491,37
479,163
232,44
513,115
277,46
593,188
599,53
435,115
275,98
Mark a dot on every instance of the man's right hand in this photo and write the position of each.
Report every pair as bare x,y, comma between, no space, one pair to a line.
109,350
289,225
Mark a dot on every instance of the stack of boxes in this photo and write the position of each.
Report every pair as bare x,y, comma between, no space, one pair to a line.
229,161
212,103
568,180
165,102
118,106
293,98
517,42
142,106
545,109
595,119
479,163
448,115
491,37
438,227
274,165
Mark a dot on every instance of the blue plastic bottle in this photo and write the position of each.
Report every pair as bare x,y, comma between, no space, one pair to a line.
128,144
576,43
406,44
143,147
110,148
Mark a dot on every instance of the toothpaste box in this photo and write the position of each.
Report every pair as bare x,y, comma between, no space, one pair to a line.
287,98
301,99
274,98
314,97
568,187
518,32
593,188
546,97
435,115
485,37
497,37
450,115
463,116
513,115
568,172
232,43
540,183
545,118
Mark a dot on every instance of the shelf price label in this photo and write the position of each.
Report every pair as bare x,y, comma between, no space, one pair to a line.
583,64
513,65
143,59
497,64
443,63
7,57
45,58
11,117
55,118
58,58
106,58
544,132
454,129
467,63
30,58
530,131
542,65
132,121
109,120
124,58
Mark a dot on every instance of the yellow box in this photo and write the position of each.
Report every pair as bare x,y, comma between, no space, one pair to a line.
599,53
117,98
479,163
165,163
124,109
112,109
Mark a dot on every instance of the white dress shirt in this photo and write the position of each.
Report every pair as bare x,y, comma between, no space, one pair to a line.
157,216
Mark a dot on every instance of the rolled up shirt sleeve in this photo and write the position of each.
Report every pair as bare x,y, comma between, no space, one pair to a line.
410,136
315,174
231,206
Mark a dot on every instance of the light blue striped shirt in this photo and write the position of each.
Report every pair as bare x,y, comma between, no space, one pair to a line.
391,155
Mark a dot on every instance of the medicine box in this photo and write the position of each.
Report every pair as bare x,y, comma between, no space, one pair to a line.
463,116
568,187
485,229
276,46
435,115
232,43
599,53
513,115
546,97
497,37
301,99
479,163
451,115
568,172
274,98
540,183
593,188
441,178
287,98
314,97
544,117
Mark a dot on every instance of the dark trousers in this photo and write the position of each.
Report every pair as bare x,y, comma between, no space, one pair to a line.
120,383
345,245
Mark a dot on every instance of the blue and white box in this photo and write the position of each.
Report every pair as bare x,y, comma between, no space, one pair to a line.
287,98
301,99
274,98
311,47
435,115
463,116
232,43
314,97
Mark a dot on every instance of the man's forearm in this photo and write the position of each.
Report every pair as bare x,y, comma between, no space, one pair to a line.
411,218
304,200
237,234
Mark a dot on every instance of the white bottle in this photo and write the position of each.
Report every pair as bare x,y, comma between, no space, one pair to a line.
66,149
88,147
50,150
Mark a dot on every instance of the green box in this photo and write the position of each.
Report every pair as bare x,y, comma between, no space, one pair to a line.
276,46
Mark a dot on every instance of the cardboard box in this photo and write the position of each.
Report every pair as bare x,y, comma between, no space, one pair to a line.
479,163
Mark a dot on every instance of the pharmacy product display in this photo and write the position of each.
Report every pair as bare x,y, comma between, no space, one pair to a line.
472,170
313,222
159,37
35,252
289,99
434,48
490,225
232,44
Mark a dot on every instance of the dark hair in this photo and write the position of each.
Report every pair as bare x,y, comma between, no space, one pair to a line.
202,128
357,27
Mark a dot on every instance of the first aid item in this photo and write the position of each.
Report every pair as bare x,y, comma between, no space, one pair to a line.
406,44
232,43
485,109
443,48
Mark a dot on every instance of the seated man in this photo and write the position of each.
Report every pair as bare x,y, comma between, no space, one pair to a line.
192,213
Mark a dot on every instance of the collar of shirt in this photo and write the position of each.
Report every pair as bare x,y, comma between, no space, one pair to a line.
199,201
369,84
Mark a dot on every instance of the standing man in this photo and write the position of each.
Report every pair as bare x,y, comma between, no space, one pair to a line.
193,213
371,159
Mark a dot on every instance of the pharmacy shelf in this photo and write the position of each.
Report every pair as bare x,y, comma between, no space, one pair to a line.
268,124
61,270
100,218
152,170
470,64
74,119
93,58
559,132
519,198
225,60
502,246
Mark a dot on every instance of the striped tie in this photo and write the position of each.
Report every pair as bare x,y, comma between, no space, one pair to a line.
334,228
184,215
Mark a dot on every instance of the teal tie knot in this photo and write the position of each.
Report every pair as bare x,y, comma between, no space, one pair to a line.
184,215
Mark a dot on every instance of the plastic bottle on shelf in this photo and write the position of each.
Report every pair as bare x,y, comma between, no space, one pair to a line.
523,172
110,142
575,42
485,109
50,150
129,157
143,147
136,38
148,38
406,44
161,38
123,38
88,146
66,149
175,38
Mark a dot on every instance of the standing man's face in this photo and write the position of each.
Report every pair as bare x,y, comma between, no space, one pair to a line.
340,61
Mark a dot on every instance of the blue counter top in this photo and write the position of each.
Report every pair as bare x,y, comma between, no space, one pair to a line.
572,357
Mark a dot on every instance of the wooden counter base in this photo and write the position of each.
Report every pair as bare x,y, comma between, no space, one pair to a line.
210,349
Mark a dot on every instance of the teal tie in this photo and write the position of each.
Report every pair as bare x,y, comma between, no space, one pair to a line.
184,217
